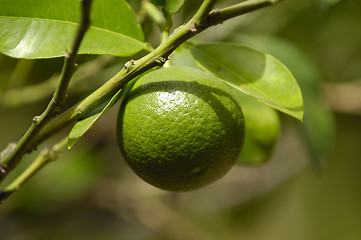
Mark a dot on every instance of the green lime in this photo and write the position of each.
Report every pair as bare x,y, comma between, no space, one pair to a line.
180,129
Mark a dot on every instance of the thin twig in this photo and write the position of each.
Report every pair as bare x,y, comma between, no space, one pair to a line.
11,159
199,19
46,156
69,63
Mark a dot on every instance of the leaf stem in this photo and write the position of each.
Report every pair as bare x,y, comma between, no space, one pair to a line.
11,158
46,156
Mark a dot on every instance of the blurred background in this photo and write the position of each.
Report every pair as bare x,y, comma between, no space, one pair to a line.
309,190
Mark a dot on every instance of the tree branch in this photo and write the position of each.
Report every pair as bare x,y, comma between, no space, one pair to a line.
156,58
179,36
11,158
46,156
219,16
199,18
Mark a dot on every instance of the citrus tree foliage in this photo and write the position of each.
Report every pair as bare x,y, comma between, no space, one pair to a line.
45,28
263,85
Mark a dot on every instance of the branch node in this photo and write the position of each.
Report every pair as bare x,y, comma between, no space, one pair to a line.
215,13
129,65
36,119
3,169
193,27
161,60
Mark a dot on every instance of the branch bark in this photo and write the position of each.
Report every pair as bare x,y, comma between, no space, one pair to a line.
12,157
199,19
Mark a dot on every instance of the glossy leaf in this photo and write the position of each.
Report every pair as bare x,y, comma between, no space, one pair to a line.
45,28
262,121
262,130
319,125
84,125
254,73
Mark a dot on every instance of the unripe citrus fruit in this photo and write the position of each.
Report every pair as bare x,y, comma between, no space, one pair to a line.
180,128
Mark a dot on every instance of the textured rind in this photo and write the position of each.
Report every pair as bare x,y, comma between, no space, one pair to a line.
180,134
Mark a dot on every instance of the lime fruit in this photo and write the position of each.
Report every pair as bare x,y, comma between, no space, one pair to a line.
180,129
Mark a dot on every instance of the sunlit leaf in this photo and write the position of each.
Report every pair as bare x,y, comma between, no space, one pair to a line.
319,125
84,125
262,121
254,73
45,28
262,130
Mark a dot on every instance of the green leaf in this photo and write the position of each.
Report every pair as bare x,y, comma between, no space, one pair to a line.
173,6
182,56
254,73
262,130
45,28
319,125
83,125
262,122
